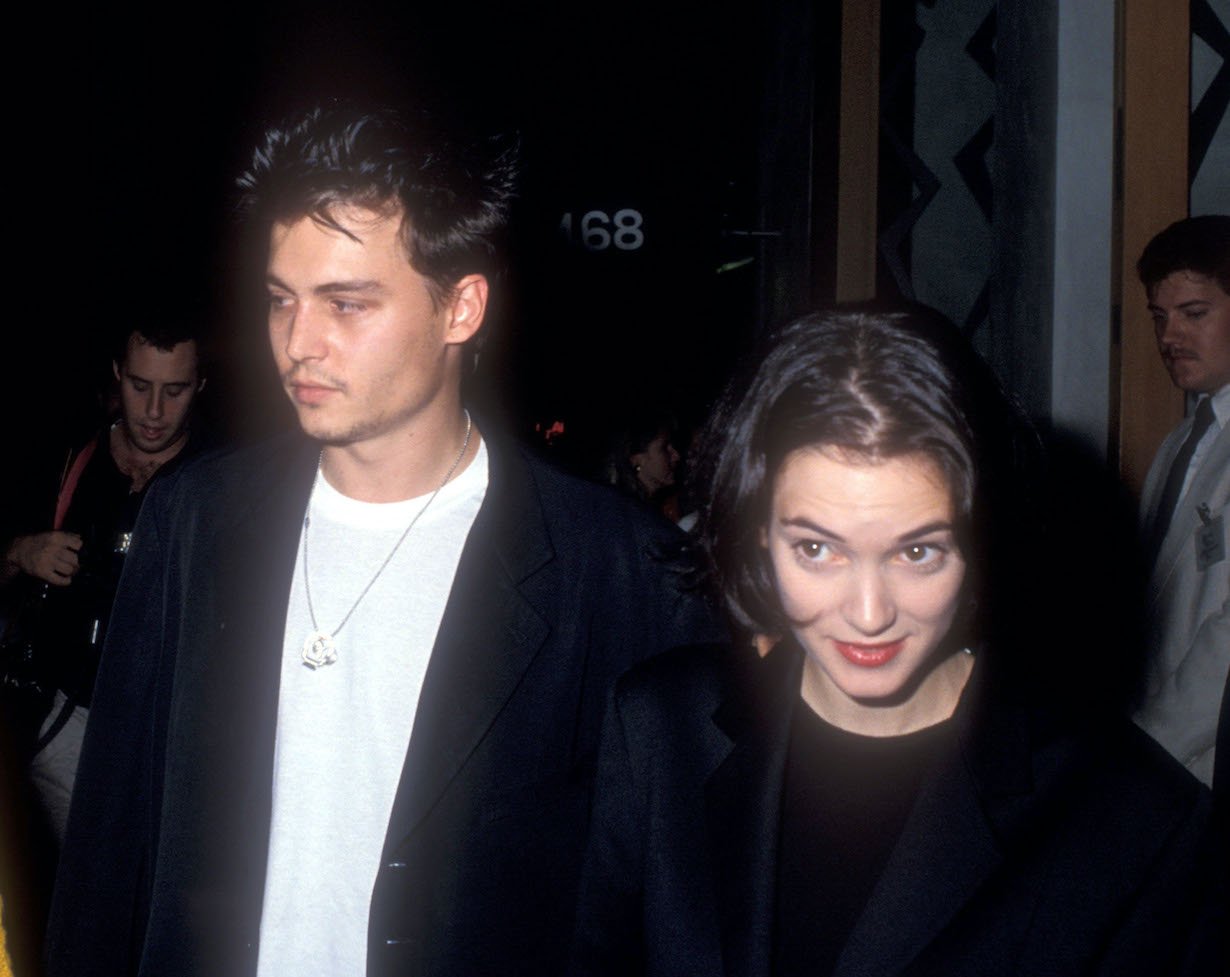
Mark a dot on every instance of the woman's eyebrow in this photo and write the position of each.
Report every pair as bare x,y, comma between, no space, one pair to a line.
802,522
926,529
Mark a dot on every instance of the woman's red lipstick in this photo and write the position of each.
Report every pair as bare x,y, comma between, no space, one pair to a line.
870,655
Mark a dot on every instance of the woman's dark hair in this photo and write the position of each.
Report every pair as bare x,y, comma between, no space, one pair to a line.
872,382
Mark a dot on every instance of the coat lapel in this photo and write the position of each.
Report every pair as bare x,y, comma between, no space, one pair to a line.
224,713
944,853
743,807
255,570
949,845
488,636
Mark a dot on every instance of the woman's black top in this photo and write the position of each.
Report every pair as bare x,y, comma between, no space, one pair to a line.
845,799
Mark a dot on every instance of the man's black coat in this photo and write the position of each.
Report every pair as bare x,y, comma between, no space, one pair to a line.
1042,848
560,587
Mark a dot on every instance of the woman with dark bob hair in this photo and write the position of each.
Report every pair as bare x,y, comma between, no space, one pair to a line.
868,784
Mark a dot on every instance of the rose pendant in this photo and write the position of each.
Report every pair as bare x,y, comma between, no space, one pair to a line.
319,650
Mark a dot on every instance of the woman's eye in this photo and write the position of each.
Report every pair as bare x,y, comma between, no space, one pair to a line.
813,550
924,555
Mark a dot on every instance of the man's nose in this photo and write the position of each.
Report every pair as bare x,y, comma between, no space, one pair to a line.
305,335
869,605
1169,330
154,404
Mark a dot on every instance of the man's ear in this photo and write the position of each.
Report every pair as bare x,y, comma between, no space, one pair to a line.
115,368
466,307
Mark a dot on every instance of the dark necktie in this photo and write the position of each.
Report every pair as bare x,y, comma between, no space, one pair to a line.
1178,471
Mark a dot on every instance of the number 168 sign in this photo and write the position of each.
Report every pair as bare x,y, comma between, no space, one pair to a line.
597,230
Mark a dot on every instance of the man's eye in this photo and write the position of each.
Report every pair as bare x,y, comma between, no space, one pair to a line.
140,386
346,308
278,301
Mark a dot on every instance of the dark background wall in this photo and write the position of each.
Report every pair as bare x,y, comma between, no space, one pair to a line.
646,243
707,129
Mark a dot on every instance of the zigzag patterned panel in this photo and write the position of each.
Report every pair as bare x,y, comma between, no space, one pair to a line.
1209,136
936,244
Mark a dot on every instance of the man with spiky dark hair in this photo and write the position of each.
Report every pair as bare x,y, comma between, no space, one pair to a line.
354,685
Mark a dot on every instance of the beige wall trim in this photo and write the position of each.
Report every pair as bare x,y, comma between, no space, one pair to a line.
1155,56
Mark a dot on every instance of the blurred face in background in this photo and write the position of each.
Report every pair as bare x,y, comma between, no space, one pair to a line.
1191,319
157,388
655,466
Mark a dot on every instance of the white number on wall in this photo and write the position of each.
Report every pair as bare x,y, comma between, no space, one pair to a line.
599,231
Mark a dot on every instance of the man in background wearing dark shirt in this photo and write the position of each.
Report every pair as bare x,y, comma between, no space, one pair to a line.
70,571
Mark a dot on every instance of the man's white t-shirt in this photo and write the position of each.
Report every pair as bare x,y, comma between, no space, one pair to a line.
343,728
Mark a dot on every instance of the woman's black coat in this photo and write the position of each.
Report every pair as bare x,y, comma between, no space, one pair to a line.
1043,847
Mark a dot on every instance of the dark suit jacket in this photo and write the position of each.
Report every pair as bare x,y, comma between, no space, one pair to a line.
559,585
1038,849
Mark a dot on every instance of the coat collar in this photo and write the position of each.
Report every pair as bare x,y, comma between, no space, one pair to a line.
479,658
951,843
476,663
231,704
948,847
743,803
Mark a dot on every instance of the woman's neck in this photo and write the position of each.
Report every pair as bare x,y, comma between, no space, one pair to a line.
931,701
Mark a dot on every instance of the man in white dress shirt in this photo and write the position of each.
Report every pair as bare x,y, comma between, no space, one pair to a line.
1186,273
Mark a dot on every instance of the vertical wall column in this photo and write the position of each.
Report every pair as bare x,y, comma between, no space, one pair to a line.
1084,207
1019,343
858,143
1155,57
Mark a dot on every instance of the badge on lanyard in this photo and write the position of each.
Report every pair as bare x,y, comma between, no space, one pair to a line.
1210,538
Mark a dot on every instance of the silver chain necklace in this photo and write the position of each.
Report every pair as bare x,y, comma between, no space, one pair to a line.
320,649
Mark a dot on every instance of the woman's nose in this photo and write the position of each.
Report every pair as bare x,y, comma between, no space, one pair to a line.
869,606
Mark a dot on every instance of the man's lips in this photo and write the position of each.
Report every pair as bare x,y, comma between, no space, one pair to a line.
310,393
869,655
